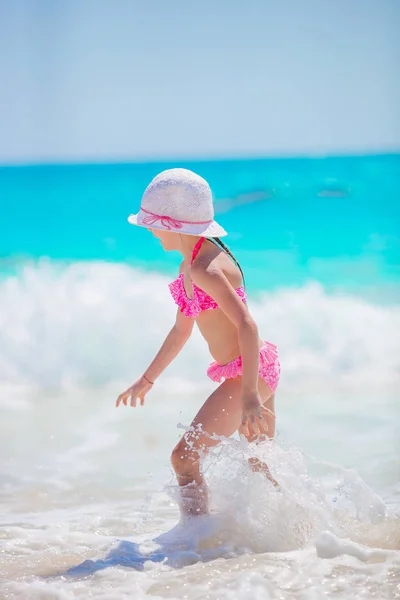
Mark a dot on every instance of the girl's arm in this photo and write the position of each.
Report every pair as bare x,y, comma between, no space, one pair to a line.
173,344
215,283
171,347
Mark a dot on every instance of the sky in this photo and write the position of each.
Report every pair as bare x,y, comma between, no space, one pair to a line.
97,80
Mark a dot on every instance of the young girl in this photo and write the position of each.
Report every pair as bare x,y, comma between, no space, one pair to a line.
177,208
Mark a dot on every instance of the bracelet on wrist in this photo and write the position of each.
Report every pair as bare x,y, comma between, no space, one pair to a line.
148,380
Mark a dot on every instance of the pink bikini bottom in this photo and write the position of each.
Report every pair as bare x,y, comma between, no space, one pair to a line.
269,369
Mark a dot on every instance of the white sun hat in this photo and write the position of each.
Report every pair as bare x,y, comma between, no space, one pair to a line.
178,200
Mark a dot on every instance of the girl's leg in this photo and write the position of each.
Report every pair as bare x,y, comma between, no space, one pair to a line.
220,415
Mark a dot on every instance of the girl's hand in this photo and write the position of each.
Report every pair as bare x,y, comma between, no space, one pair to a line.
138,390
253,420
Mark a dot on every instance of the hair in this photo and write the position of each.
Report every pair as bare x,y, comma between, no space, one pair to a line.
225,248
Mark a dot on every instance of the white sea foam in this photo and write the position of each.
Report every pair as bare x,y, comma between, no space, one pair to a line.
263,538
92,323
77,475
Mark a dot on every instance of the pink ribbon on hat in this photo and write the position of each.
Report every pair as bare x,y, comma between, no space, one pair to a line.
168,222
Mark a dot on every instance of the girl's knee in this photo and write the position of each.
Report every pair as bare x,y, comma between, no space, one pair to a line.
184,461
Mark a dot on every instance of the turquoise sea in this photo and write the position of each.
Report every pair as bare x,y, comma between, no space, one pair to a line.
84,307
332,220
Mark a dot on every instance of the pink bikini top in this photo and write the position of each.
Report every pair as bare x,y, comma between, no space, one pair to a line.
192,307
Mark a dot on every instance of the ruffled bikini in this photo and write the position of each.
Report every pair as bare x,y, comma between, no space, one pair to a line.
269,367
192,307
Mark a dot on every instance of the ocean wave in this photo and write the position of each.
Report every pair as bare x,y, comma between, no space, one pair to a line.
91,323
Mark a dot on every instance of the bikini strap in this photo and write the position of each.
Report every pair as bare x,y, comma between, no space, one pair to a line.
197,248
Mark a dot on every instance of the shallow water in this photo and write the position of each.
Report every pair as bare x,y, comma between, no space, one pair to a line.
85,489
88,478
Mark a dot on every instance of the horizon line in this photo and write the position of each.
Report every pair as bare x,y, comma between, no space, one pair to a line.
119,161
